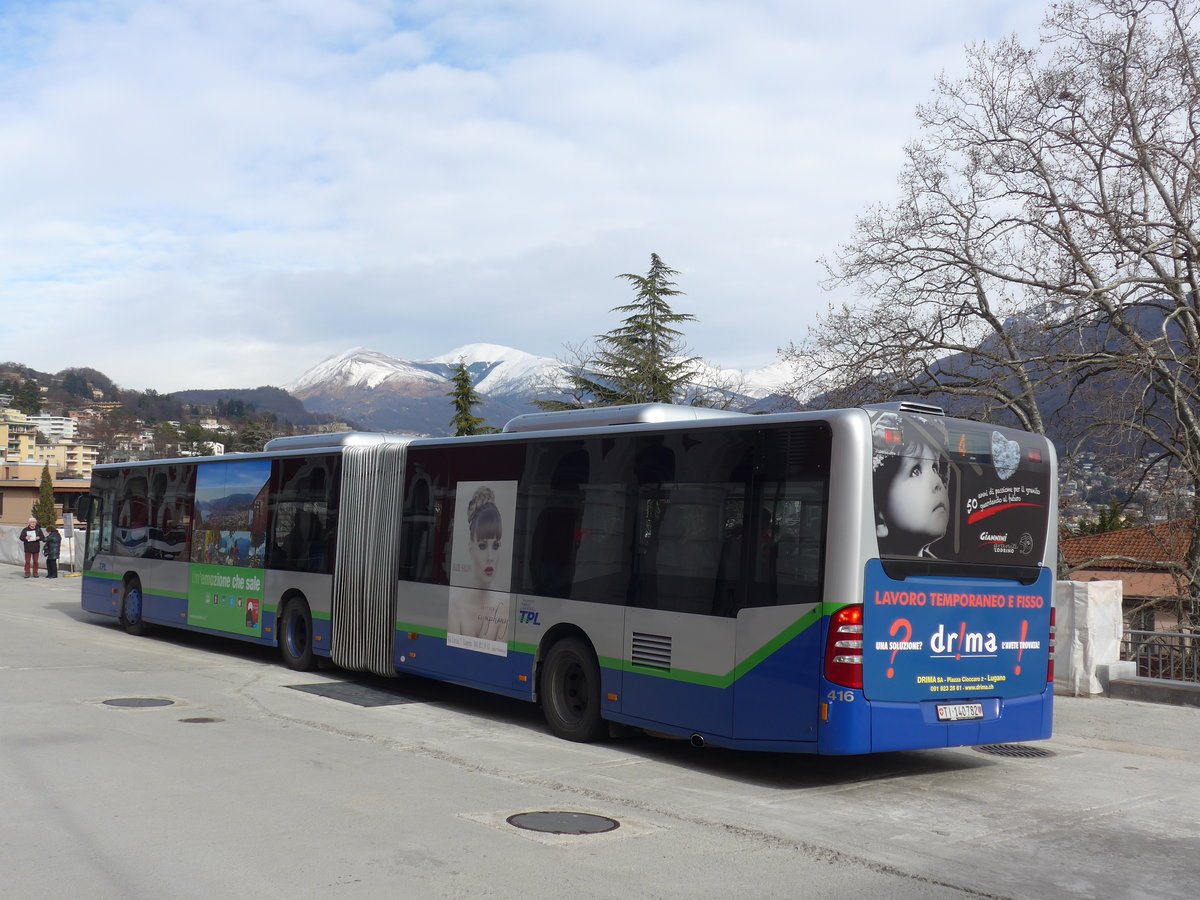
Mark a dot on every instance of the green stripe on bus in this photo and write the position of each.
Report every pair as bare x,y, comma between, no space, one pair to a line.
112,576
703,679
109,576
707,679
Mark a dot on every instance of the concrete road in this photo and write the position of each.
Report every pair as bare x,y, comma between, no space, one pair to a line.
250,780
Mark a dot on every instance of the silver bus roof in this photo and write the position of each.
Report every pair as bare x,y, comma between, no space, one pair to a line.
598,416
334,439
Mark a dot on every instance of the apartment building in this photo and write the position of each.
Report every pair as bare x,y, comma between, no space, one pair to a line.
57,428
18,436
68,459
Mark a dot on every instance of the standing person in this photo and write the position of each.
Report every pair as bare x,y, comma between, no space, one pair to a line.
53,544
32,536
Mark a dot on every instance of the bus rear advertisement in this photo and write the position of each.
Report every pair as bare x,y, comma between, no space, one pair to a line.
841,582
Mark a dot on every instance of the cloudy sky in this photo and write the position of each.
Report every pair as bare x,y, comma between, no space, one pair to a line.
222,193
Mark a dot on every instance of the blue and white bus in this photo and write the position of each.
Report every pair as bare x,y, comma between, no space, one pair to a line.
836,582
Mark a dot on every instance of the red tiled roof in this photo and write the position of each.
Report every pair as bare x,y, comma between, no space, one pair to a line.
1161,543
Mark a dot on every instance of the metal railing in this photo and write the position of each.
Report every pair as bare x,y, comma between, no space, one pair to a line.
1163,654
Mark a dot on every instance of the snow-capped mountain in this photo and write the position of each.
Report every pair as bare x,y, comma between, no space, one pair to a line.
358,368
505,370
382,393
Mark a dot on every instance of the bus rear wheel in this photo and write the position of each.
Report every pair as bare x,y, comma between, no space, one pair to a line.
131,608
296,636
571,691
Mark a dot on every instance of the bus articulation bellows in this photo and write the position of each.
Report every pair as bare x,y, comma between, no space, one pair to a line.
838,582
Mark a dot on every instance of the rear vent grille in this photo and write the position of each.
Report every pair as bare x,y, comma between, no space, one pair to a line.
651,650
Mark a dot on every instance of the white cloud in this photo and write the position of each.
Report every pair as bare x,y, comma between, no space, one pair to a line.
219,193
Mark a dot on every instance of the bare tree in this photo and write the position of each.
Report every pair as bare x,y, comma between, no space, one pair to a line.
1047,234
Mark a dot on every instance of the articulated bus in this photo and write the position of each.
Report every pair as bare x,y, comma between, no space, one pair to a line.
836,582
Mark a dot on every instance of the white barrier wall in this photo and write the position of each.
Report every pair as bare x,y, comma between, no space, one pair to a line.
12,551
1088,634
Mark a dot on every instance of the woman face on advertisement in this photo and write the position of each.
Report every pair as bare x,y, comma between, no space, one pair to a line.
484,547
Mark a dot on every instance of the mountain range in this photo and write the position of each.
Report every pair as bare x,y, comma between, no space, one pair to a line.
378,392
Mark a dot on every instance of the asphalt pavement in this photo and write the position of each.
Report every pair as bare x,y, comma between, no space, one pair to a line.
181,765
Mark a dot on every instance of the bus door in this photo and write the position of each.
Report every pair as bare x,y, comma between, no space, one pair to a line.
679,646
97,512
778,635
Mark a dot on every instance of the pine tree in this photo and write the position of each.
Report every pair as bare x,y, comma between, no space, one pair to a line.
28,398
641,360
464,399
43,509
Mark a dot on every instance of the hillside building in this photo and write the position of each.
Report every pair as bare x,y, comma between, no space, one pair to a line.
18,436
68,459
57,428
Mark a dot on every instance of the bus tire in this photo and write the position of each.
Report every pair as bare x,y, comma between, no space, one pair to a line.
296,636
131,607
571,691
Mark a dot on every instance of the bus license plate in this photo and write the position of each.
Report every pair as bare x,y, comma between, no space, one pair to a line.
957,712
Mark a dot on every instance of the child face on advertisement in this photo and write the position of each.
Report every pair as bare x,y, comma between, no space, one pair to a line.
916,499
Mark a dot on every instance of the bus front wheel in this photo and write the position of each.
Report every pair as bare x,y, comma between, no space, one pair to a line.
295,636
571,691
131,608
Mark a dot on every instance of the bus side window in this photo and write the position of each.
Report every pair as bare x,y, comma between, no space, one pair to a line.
416,540
687,538
555,540
132,515
303,515
555,492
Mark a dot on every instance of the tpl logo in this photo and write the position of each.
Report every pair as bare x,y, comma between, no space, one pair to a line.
527,617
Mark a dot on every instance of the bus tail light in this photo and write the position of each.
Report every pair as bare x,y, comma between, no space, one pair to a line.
1050,662
844,648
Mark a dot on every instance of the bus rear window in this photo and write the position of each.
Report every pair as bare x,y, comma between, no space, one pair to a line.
963,491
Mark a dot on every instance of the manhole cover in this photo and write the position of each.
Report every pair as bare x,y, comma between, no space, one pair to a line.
358,694
201,720
139,702
1015,751
563,822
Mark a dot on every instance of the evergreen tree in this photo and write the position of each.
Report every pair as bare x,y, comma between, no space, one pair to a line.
196,440
75,384
464,399
43,509
641,360
252,436
28,398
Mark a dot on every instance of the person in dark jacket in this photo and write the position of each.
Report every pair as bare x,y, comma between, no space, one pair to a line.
50,550
32,536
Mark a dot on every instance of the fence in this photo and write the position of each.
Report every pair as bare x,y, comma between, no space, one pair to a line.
1163,654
